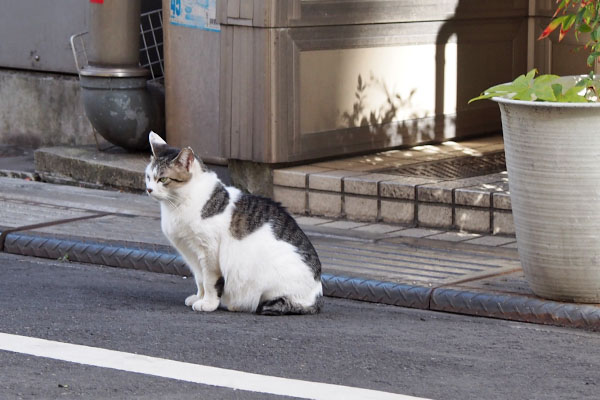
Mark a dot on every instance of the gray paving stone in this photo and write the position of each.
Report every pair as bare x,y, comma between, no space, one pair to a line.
472,219
360,208
493,241
397,211
14,214
330,181
342,224
325,204
295,176
417,232
502,201
365,184
310,221
454,236
434,215
472,197
78,198
134,229
480,195
512,245
378,228
441,192
402,188
503,223
294,200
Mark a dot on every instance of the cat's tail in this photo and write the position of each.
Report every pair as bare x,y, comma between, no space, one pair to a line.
284,306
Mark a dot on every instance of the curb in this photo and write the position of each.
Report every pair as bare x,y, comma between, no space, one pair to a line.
516,308
159,259
376,291
109,254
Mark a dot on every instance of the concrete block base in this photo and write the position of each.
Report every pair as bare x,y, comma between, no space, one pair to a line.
89,167
41,109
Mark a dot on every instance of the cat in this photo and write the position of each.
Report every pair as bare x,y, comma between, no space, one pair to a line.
246,252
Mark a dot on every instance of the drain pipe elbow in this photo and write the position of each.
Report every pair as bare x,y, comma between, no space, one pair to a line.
116,96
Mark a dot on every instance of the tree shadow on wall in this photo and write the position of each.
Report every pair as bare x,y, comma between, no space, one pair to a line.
468,58
383,125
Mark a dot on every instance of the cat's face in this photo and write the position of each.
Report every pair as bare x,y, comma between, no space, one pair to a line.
169,169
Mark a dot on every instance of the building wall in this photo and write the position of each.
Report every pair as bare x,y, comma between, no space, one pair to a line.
40,101
372,75
293,80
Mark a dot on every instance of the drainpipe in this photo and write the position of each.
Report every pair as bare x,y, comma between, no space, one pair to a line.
116,98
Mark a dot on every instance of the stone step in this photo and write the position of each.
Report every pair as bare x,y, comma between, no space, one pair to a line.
85,165
420,187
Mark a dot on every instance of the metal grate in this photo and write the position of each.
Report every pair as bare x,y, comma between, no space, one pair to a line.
151,53
461,167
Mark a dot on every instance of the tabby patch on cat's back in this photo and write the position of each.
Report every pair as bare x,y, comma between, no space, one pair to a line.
246,252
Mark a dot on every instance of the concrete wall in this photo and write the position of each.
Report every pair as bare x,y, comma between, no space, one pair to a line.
41,109
40,102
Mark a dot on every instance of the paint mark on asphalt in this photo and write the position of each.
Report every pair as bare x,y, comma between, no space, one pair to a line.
195,373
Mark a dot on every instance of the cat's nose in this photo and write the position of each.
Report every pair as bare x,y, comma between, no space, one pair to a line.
149,191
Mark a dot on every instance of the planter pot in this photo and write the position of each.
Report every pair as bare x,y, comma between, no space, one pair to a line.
553,161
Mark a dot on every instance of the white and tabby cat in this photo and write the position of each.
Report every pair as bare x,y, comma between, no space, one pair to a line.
245,252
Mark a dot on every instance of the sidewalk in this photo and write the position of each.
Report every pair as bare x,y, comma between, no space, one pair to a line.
449,186
385,263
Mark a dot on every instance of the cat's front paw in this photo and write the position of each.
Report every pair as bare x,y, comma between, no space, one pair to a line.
206,305
190,300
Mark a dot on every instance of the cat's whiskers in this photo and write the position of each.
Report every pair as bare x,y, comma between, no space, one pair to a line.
173,201
169,199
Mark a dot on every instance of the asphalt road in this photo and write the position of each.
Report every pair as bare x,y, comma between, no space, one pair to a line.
379,347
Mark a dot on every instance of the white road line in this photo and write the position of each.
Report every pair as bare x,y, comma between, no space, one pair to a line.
188,372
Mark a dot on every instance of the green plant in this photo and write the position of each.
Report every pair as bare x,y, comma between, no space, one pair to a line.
581,17
579,89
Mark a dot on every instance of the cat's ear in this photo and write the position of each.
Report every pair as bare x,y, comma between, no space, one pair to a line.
156,143
185,158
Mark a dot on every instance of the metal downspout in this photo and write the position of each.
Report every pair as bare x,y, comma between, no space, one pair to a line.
116,98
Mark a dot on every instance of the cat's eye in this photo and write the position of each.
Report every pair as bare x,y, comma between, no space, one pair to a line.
163,180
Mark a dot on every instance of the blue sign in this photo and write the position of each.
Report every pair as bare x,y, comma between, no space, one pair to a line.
200,14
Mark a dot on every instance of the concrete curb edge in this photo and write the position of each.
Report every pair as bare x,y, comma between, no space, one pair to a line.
516,308
503,306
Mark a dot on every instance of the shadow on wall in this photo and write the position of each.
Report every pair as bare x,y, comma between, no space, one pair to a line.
385,124
385,113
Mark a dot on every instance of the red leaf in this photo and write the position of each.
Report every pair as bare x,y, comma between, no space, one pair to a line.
549,29
561,35
555,23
